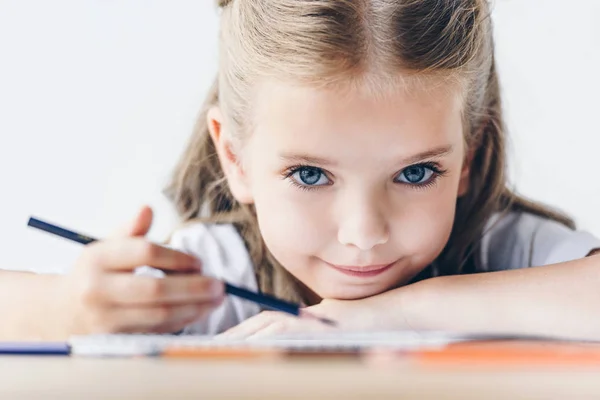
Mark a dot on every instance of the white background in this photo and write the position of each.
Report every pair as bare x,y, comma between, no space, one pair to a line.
98,98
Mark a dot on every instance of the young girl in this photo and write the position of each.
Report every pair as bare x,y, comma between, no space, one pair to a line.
350,157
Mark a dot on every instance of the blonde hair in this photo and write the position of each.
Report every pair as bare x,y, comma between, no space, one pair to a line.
334,43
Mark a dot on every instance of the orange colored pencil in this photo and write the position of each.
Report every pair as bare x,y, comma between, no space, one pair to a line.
220,352
513,353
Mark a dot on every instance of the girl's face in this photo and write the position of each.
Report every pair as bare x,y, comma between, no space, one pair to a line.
354,195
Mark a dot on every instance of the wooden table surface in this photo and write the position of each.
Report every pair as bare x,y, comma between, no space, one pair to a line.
310,378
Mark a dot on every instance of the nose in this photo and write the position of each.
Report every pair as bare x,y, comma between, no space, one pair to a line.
363,223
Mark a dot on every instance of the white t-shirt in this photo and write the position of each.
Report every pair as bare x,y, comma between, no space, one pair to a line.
513,241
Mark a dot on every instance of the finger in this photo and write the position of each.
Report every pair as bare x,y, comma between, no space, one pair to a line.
128,254
176,325
251,326
130,290
152,319
288,325
138,226
273,329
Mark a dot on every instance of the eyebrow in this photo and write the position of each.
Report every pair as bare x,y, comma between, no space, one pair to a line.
433,153
311,160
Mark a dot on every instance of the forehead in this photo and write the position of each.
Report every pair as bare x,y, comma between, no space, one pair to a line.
300,116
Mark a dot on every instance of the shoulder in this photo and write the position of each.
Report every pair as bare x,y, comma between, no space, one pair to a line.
221,250
519,240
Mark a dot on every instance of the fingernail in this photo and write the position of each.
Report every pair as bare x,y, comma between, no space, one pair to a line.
197,264
217,302
217,288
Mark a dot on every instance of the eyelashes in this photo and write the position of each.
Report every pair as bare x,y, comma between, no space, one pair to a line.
416,176
306,177
421,176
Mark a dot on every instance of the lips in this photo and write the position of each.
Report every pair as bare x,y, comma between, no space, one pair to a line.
361,271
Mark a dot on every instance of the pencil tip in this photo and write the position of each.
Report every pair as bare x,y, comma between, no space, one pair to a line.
327,321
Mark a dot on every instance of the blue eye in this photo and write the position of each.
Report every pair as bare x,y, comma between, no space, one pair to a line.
416,175
310,176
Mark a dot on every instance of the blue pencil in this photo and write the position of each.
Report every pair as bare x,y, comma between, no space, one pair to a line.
35,348
269,302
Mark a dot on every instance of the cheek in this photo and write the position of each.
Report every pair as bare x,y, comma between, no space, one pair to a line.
291,224
426,223
429,229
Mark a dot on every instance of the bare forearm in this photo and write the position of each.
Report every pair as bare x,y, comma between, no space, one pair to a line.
29,307
562,299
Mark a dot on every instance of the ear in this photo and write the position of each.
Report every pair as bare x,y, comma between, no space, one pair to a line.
237,179
465,174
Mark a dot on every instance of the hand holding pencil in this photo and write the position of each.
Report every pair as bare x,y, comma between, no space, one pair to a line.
101,295
104,297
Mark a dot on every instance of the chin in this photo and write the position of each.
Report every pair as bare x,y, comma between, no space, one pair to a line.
351,293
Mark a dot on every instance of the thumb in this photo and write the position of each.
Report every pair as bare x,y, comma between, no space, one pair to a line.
138,226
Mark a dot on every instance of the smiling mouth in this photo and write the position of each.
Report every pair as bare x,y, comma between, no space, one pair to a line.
364,271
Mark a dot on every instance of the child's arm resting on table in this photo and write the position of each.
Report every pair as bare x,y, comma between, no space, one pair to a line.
29,307
100,294
561,299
